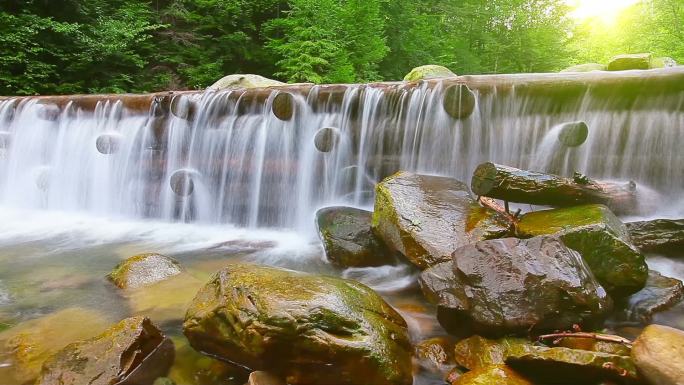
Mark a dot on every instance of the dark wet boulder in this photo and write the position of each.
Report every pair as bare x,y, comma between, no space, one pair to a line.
459,101
659,294
573,134
476,352
426,218
348,239
600,237
659,355
144,269
132,352
640,61
492,375
426,72
658,236
309,329
573,366
504,286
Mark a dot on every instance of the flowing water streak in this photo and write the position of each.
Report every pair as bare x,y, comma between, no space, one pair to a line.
249,168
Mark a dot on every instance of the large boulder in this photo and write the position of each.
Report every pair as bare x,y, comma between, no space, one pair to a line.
660,293
588,67
239,81
348,239
310,329
30,343
659,355
143,270
426,218
658,236
600,237
573,366
640,61
510,285
132,352
492,375
428,72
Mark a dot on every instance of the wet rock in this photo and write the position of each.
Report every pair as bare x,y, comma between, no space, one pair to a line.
326,139
505,286
436,353
593,345
182,182
573,366
28,344
348,239
310,329
144,269
660,293
600,237
264,378
239,81
573,134
658,236
492,375
459,101
428,72
588,67
641,61
659,355
283,106
476,352
426,218
132,352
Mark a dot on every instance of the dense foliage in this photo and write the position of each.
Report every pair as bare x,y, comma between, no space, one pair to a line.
86,46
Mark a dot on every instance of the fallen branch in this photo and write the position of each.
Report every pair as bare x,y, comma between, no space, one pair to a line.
494,205
595,336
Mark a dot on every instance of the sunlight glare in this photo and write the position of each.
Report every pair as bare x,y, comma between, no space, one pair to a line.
606,11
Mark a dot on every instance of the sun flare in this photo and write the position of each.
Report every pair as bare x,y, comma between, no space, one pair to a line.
606,11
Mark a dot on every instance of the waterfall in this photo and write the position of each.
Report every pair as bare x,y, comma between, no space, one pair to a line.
226,158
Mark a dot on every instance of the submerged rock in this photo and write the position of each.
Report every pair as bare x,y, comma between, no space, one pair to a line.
348,239
143,270
238,81
428,72
588,67
660,293
600,237
426,218
132,352
640,61
504,286
492,375
476,352
167,300
310,329
658,236
573,366
30,343
659,355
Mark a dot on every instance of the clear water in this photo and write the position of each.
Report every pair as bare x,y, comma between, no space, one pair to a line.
69,214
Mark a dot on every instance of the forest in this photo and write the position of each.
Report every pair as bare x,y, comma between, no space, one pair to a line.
112,46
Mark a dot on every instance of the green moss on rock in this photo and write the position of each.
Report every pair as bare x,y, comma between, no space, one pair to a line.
428,72
476,352
143,270
492,375
640,61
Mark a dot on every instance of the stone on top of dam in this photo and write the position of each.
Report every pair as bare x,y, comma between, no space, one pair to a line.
237,81
428,72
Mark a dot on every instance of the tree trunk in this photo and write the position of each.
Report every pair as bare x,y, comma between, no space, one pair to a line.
514,185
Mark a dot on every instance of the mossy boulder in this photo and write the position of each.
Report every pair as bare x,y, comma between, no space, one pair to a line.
600,237
588,67
492,375
659,355
348,239
573,366
239,81
514,286
658,236
30,343
426,218
659,294
640,61
307,328
428,72
134,351
476,352
143,270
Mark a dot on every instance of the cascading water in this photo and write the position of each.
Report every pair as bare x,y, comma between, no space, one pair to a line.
247,167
